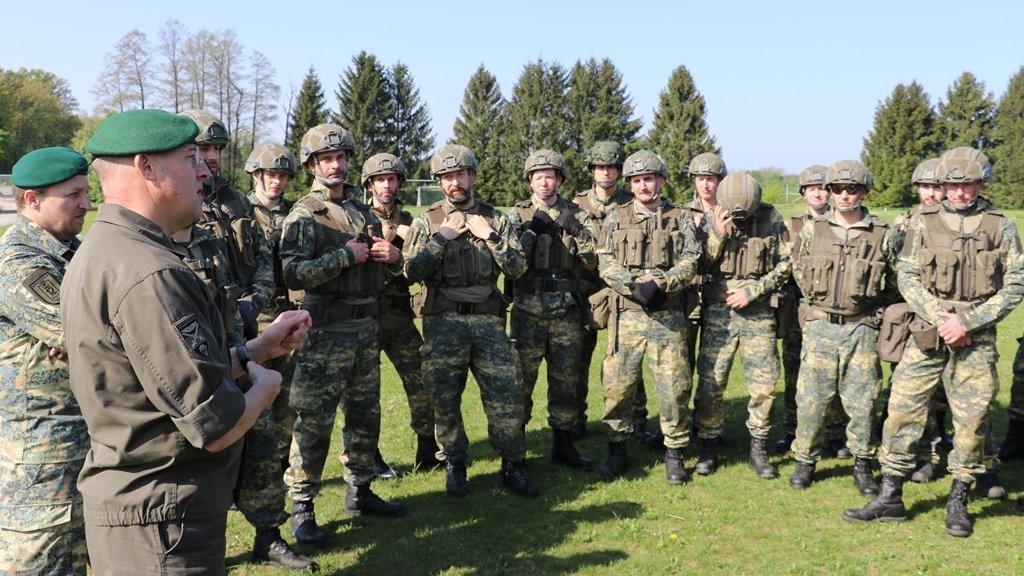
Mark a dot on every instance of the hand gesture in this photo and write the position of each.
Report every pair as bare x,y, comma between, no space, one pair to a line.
359,249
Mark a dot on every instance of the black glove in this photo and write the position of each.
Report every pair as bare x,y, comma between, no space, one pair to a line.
648,294
541,221
250,325
569,223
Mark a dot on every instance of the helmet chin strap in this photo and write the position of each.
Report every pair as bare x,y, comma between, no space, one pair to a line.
850,209
607,185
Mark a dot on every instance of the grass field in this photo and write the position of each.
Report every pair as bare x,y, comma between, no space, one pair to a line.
728,523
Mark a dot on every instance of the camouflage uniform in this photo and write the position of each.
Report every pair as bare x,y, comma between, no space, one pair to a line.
694,291
840,345
42,529
400,339
340,362
753,257
634,330
464,327
989,250
546,319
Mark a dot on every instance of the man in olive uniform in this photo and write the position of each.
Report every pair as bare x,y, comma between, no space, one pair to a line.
383,176
812,189
546,322
332,248
457,248
42,530
843,266
747,263
648,255
604,163
961,271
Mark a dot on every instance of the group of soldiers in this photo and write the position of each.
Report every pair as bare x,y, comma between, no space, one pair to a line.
686,286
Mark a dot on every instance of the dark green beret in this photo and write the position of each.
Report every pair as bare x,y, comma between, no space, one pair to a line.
141,132
48,166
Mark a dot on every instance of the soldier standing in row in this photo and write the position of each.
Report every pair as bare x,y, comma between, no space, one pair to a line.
747,263
961,270
457,249
42,529
547,314
332,248
648,255
383,176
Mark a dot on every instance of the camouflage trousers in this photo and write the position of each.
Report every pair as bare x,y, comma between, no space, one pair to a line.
661,336
402,345
837,359
836,420
558,341
1015,410
750,331
42,529
456,344
972,386
334,369
583,381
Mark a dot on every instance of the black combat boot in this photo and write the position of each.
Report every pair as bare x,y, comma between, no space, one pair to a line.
925,471
381,468
455,481
563,451
270,548
361,500
513,475
707,460
616,463
758,459
783,444
863,478
990,487
1013,444
958,521
675,472
838,447
426,452
803,476
304,525
886,507
945,440
579,429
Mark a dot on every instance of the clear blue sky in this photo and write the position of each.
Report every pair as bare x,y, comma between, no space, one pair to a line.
787,84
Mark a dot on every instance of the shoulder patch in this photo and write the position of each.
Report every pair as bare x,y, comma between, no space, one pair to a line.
192,336
45,285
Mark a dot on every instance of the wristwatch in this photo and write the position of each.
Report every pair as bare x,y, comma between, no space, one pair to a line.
243,356
493,237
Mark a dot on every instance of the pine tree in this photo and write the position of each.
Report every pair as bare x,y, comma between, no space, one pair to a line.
310,110
365,104
1007,152
537,118
965,118
479,127
680,131
410,127
904,134
599,108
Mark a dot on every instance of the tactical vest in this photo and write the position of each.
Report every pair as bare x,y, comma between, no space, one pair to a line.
227,214
842,277
649,244
553,263
960,266
272,231
338,225
397,285
205,259
748,253
796,224
599,211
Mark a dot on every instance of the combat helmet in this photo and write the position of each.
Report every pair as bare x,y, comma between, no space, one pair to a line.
643,162
604,153
452,158
271,157
740,194
812,176
383,163
544,159
964,164
707,164
926,172
212,132
848,172
323,138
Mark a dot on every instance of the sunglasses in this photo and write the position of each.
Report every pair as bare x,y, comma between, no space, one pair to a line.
851,189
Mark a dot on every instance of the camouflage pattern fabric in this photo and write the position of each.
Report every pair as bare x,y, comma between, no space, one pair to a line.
402,345
1015,409
42,529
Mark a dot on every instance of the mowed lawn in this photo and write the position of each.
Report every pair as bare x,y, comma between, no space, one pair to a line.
728,523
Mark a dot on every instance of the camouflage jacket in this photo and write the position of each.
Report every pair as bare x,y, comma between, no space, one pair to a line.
40,420
272,222
781,268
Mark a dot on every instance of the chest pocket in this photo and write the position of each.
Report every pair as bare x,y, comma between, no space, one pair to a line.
662,247
247,234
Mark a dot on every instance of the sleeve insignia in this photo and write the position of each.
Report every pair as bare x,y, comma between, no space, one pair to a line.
45,285
192,335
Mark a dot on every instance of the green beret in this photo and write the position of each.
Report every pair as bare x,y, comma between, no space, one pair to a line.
47,166
141,132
